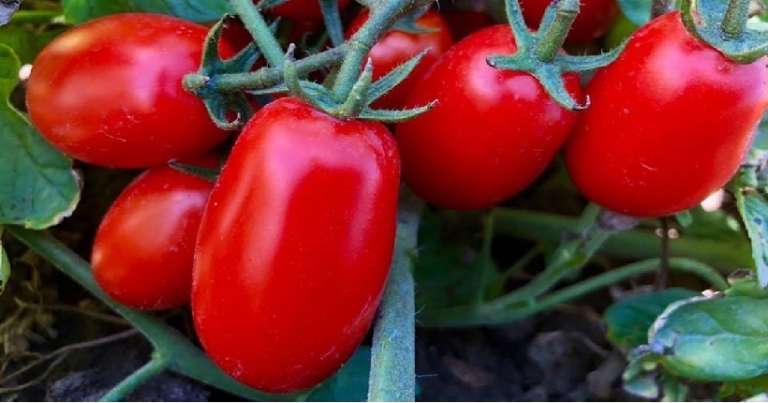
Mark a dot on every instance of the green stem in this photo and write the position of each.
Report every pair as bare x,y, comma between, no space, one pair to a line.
554,35
332,19
631,244
266,77
495,314
34,16
393,356
260,31
358,97
518,266
154,367
735,19
487,266
381,17
569,256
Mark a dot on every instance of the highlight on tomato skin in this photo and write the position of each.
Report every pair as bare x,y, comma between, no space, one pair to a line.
295,246
491,133
140,116
593,21
142,253
654,143
397,47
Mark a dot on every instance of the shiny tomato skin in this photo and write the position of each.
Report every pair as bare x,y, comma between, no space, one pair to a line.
303,10
109,92
670,122
594,19
295,246
396,47
143,250
491,132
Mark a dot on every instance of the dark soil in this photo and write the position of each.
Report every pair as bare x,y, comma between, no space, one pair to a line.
559,356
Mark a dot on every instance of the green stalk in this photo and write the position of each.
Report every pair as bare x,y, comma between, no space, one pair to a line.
393,356
553,37
357,99
487,266
34,16
266,77
381,17
735,19
260,31
497,314
632,244
154,367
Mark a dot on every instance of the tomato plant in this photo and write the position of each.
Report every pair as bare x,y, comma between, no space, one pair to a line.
309,267
143,117
396,47
491,133
594,19
142,253
320,205
641,148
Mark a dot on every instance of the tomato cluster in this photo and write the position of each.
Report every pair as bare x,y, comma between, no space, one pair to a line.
286,255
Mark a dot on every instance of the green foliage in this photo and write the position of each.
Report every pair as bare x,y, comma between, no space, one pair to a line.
628,320
79,11
37,184
350,384
685,218
754,210
27,39
446,260
715,339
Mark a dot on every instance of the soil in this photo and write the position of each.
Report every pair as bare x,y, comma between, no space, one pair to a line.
560,356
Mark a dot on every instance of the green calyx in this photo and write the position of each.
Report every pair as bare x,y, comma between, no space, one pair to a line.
724,27
539,53
357,102
228,110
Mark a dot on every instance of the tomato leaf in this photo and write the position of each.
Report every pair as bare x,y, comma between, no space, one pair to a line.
78,11
350,384
628,320
38,187
26,40
753,208
713,339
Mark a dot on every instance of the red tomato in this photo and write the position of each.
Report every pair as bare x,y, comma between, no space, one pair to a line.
670,122
465,22
303,9
142,254
395,48
491,133
594,19
109,92
295,246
